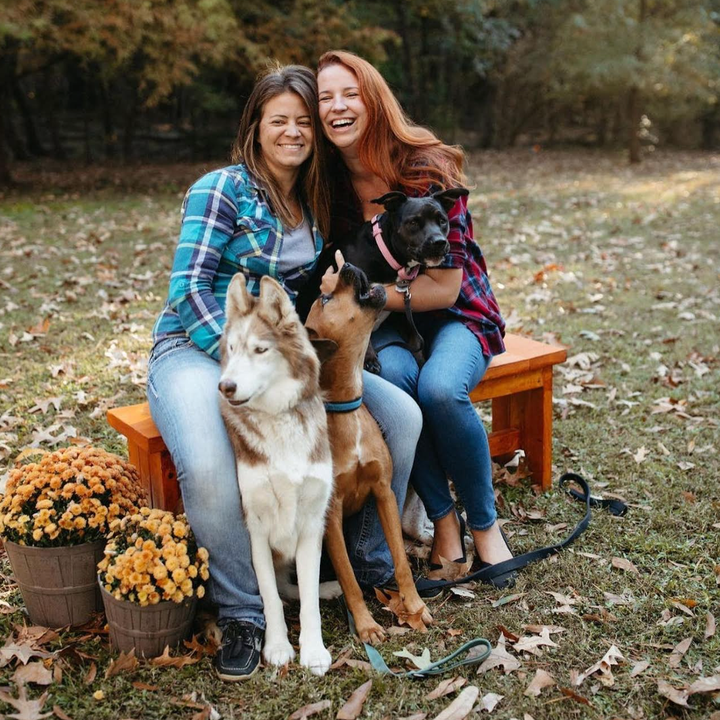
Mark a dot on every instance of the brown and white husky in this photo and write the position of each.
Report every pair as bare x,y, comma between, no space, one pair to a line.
273,410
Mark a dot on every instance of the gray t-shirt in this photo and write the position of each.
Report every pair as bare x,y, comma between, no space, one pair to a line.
298,247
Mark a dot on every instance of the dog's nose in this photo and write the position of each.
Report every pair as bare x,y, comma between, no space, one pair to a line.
440,246
227,387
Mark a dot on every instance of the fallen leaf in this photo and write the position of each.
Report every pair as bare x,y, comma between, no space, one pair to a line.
34,672
419,661
640,455
27,709
126,662
461,706
144,686
23,651
612,657
569,692
499,657
450,570
531,643
308,710
418,716
178,661
682,608
507,599
200,650
91,674
623,564
624,599
393,602
461,591
562,599
679,652
541,680
57,710
679,697
489,701
639,667
446,687
353,707
709,625
705,685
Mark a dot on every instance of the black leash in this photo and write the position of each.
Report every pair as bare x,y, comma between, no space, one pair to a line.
415,343
615,507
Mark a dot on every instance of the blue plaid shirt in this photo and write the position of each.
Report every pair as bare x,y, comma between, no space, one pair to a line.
228,226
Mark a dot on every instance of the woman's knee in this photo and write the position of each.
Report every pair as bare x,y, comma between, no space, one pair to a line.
399,368
439,391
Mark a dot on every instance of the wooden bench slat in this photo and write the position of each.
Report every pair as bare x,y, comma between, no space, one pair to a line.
519,382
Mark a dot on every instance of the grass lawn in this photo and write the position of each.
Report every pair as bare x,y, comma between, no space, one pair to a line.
620,264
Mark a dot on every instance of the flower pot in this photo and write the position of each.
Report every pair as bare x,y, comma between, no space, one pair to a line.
58,585
148,629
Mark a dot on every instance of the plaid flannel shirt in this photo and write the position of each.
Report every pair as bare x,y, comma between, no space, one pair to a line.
476,305
227,227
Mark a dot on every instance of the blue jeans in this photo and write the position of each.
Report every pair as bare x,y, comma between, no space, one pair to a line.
183,397
453,442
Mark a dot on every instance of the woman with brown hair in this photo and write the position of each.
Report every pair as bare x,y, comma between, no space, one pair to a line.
264,215
379,149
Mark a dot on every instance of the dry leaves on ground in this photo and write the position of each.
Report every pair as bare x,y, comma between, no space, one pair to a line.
34,672
393,602
309,710
125,662
499,657
612,657
27,709
541,680
353,707
461,706
446,687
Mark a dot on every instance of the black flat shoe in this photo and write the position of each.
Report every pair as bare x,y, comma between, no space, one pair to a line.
460,560
502,580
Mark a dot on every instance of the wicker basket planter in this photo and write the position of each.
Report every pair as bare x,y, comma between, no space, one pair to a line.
148,630
58,585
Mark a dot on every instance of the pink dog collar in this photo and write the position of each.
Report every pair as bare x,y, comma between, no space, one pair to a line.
403,273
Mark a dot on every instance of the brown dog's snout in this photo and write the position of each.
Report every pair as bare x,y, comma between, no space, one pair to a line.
227,387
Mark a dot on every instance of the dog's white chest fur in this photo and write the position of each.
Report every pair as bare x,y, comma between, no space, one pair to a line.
288,490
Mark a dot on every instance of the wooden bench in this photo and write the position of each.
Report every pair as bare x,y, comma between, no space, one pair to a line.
519,383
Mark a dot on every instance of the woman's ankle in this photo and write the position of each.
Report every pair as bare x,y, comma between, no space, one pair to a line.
446,539
490,545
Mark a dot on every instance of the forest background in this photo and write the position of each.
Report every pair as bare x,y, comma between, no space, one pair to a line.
157,79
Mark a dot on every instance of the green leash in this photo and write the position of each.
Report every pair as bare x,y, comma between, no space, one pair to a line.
437,668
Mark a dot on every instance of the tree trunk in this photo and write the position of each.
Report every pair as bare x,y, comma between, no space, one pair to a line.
51,111
634,115
5,72
109,136
32,137
131,122
634,99
408,58
709,129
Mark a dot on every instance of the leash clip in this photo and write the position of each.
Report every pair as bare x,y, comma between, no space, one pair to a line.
403,287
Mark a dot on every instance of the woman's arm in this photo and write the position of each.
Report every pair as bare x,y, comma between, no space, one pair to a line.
434,290
209,217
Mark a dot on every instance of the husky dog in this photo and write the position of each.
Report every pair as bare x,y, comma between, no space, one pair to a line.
271,404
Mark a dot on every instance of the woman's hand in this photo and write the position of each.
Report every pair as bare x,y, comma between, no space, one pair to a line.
330,278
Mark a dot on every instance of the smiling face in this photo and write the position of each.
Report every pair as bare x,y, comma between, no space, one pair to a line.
342,111
285,134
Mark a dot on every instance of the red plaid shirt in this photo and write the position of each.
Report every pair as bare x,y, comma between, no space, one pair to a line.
476,305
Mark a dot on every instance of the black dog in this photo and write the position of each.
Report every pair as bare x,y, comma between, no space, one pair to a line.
410,234
414,230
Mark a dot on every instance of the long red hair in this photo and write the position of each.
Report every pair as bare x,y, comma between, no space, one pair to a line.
393,147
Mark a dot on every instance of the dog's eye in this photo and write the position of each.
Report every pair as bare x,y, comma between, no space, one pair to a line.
325,299
231,347
413,224
260,350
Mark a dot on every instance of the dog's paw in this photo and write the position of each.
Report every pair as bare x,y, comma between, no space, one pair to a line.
278,652
373,365
371,633
315,657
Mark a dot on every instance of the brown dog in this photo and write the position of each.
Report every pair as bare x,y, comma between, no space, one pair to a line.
339,325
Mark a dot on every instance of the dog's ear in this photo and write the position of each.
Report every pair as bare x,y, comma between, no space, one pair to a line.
324,347
275,304
447,198
239,301
392,200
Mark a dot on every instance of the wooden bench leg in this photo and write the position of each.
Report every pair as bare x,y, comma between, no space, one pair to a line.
158,477
531,413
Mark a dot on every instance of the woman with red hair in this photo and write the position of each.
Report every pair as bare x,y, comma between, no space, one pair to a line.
378,149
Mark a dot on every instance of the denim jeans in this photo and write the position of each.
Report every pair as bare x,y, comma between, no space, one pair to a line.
453,442
183,397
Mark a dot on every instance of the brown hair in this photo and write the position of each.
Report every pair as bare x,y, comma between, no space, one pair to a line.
393,147
311,183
